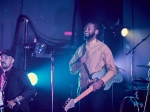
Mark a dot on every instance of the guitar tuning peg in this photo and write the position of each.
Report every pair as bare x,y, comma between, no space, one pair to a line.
67,101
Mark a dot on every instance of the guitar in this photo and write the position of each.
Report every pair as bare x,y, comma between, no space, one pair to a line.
118,78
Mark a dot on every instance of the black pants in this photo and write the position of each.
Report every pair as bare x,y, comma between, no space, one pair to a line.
24,107
14,110
94,102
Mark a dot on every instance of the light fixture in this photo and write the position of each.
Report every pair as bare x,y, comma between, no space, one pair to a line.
33,78
40,48
124,32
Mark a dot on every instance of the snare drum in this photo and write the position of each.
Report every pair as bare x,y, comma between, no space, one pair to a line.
130,104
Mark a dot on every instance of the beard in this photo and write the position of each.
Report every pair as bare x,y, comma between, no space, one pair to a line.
88,37
4,66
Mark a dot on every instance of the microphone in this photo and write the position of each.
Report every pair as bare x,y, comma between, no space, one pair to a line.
118,22
103,26
29,45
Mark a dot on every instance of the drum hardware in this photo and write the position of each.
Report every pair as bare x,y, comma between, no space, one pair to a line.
142,80
132,65
130,104
132,55
141,104
141,94
138,103
144,66
148,83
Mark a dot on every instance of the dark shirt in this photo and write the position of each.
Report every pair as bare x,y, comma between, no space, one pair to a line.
1,70
18,84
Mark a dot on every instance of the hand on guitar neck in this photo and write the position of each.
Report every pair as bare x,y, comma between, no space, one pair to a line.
98,84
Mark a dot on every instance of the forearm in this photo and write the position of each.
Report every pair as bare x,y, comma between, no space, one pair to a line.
20,98
74,68
110,65
29,93
108,76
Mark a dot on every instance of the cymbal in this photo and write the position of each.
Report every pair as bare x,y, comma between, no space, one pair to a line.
144,66
142,80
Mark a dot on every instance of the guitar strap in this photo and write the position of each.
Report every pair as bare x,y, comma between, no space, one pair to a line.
3,80
86,69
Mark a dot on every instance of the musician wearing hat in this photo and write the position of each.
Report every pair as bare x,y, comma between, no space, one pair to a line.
15,86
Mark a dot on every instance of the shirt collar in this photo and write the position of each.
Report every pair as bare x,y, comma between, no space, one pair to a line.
93,42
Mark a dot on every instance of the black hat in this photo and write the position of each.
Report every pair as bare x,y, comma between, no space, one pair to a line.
7,52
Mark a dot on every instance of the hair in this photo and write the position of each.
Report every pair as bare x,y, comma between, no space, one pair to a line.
95,25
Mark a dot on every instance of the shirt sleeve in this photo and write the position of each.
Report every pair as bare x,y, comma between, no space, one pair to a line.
74,69
110,65
73,64
28,90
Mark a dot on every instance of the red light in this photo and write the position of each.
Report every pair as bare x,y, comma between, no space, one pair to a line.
68,33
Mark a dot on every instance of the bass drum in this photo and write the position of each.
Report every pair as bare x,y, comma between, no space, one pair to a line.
130,104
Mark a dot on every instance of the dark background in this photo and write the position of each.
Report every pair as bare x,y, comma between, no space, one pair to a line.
48,22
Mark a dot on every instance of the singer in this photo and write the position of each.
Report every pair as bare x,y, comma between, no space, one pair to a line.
91,58
14,84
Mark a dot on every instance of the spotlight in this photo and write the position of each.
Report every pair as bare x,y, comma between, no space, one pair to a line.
124,32
33,78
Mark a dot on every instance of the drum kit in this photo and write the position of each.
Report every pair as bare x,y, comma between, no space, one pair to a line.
141,101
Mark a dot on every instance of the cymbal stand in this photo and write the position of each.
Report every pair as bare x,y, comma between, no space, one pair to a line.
132,60
147,91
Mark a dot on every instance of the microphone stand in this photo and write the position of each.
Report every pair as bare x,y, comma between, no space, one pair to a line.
52,78
132,60
25,41
103,34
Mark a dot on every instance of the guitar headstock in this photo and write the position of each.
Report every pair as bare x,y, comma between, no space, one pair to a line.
69,104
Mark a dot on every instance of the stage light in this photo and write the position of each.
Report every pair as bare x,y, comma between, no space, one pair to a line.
38,48
33,78
124,32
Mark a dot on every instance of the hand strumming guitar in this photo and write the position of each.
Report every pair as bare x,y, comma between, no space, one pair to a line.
97,85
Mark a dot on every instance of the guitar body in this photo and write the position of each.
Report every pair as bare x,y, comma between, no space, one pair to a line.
116,79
